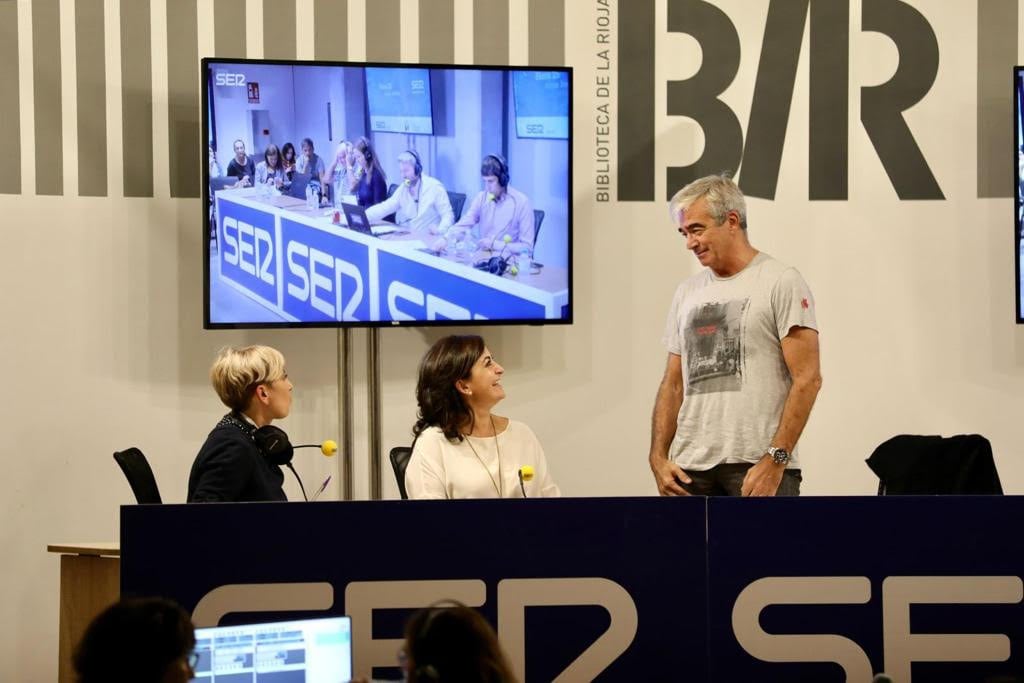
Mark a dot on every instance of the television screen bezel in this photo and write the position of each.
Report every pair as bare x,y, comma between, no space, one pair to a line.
1018,109
204,69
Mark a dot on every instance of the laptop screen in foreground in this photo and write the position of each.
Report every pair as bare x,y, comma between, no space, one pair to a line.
308,650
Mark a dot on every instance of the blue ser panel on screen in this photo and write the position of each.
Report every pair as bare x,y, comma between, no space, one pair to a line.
248,255
326,278
399,100
542,104
412,291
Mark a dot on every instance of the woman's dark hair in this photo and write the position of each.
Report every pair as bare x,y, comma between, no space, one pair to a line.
448,360
364,147
266,156
452,643
134,641
285,148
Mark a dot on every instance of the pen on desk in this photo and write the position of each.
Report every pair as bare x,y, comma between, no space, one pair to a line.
322,487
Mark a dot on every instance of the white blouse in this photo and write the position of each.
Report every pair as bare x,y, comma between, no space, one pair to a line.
440,468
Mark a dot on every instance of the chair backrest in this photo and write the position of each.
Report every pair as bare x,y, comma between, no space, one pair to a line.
391,188
139,474
458,201
538,218
399,461
911,464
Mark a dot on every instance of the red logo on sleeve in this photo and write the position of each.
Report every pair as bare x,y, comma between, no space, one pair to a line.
804,303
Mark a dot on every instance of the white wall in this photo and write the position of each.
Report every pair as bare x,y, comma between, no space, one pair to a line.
103,349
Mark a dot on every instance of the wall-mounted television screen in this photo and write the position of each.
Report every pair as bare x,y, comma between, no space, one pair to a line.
351,194
1018,191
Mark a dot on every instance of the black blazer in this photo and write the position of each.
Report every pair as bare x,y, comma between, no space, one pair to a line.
230,468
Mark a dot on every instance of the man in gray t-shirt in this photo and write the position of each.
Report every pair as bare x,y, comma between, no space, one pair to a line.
743,369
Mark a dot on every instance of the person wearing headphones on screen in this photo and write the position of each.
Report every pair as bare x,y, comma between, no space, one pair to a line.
372,184
420,203
230,467
499,211
461,449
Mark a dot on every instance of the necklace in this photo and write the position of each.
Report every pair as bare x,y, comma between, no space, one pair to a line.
497,446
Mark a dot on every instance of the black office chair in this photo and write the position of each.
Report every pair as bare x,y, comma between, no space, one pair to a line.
391,188
399,461
910,464
139,474
538,218
457,200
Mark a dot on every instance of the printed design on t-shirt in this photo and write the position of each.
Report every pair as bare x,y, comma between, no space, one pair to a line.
714,347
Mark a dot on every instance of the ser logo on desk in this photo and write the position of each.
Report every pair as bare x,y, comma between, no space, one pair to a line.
401,297
320,276
242,239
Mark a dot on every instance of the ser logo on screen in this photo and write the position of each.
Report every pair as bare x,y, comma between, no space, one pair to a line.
241,240
320,277
406,302
229,79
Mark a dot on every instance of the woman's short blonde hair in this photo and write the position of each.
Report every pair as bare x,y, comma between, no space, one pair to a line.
238,370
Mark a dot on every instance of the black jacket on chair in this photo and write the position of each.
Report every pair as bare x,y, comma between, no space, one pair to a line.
231,469
921,465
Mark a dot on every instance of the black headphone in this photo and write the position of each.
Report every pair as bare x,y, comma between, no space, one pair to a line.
272,442
274,445
427,671
417,167
365,151
502,168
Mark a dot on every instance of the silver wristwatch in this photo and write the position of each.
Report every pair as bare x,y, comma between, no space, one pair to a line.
780,456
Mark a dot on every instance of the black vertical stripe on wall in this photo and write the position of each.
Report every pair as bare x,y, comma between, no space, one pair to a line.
10,103
490,32
278,29
547,32
91,80
185,150
330,30
137,98
437,31
46,74
383,31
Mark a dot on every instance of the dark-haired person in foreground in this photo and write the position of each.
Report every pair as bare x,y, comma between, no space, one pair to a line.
462,450
742,371
253,383
147,640
450,642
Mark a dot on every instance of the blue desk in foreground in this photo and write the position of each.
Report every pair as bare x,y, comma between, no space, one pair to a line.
624,589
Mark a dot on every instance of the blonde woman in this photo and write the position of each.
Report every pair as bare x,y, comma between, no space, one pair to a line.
253,383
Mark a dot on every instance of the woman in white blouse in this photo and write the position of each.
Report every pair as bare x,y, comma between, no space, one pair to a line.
462,450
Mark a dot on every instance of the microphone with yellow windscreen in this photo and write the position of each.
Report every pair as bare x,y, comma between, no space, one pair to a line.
525,475
328,447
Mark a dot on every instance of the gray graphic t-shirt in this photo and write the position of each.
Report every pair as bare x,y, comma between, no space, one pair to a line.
728,332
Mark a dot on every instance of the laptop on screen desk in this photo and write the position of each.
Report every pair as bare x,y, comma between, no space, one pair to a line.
357,220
